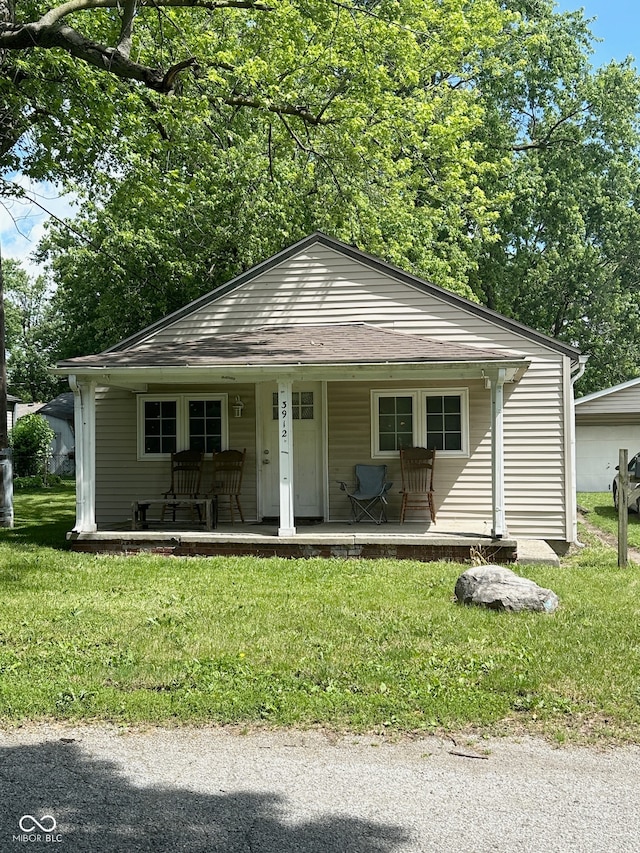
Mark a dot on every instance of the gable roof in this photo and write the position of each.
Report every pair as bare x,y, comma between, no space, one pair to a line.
595,395
60,407
354,343
362,258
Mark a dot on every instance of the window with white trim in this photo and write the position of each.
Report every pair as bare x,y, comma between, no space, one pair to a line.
433,418
167,423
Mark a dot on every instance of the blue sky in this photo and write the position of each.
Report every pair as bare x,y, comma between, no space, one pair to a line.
617,22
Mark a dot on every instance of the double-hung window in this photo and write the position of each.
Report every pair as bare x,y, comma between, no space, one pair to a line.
167,423
420,418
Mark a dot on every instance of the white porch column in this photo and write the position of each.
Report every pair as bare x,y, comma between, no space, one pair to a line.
84,414
285,459
499,524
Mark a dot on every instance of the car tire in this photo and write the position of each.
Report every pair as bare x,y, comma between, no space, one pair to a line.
615,496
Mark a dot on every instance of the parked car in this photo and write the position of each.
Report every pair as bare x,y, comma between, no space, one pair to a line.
633,496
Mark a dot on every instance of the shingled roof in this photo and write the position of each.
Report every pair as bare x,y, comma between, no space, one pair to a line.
292,345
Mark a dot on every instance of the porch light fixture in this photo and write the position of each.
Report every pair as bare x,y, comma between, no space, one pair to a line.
238,406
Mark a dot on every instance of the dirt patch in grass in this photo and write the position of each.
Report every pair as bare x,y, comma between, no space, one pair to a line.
606,538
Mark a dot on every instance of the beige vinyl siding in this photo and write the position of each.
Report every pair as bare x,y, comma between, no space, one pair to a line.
121,478
323,286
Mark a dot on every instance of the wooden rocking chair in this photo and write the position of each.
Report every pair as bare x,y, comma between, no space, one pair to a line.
186,472
416,464
228,466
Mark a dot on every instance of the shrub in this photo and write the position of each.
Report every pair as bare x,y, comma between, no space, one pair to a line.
31,440
36,482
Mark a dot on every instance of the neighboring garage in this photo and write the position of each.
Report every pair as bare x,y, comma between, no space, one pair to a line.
606,421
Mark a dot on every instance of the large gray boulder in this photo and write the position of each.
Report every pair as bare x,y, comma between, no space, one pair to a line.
501,589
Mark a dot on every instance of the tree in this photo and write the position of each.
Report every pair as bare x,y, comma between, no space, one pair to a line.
562,256
31,329
357,123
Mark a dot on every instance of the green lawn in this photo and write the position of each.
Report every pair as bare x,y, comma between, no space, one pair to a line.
363,645
602,514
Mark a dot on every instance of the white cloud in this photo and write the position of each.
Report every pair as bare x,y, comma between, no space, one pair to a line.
22,220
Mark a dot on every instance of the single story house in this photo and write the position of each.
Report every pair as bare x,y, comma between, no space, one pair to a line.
317,359
606,422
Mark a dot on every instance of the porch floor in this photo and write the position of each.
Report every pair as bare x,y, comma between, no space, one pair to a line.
413,540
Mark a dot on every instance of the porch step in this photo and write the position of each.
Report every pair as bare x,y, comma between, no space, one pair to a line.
536,552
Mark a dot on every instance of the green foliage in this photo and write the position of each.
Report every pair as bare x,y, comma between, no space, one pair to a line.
31,440
208,185
32,328
36,482
471,143
562,260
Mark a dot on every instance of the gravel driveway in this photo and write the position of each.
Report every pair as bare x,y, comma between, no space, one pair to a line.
98,788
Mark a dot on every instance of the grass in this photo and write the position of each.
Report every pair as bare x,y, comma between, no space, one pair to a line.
603,514
345,644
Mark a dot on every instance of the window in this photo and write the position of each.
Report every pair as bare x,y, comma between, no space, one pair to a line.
420,418
160,426
444,422
395,423
205,425
169,423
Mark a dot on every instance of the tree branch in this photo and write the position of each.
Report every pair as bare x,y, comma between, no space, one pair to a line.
24,36
126,30
293,110
547,141
53,16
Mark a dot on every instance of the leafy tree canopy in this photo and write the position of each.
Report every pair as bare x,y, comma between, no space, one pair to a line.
469,141
32,330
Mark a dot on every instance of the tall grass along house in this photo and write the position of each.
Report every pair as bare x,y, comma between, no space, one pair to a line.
320,358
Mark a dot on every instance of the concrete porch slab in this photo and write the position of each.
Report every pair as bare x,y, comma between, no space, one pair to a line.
536,552
408,541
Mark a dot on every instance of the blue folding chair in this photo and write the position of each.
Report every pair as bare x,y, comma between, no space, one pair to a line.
369,497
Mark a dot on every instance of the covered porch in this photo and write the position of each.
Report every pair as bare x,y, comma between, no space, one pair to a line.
352,368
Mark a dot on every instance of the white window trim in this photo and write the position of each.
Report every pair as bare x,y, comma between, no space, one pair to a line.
419,396
182,415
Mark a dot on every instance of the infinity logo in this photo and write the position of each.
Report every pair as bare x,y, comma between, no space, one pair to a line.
28,823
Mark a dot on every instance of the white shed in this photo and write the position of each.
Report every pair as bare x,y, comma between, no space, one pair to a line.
606,421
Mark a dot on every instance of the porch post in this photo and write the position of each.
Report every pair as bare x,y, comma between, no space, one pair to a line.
285,459
499,528
84,415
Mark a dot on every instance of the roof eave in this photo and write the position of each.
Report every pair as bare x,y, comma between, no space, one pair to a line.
221,374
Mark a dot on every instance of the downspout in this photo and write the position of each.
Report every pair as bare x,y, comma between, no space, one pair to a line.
577,372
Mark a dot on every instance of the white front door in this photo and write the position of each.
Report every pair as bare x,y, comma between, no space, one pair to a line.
307,450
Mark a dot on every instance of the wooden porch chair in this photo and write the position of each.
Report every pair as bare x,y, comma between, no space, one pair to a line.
417,464
186,473
228,466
